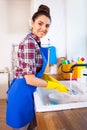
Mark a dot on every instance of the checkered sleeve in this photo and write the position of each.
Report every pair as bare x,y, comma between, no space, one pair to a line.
26,57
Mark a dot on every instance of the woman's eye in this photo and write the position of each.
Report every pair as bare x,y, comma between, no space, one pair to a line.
47,26
40,24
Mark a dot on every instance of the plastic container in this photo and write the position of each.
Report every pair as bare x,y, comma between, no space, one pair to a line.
66,67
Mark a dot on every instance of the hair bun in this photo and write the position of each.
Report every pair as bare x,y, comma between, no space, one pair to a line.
44,8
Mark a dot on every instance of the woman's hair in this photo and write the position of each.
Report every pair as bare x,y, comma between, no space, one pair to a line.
42,10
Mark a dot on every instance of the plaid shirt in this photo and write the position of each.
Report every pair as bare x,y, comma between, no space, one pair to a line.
29,56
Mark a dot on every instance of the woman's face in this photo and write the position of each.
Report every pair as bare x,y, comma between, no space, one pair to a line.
40,26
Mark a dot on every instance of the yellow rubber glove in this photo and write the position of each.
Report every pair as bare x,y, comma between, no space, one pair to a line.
58,86
47,77
54,84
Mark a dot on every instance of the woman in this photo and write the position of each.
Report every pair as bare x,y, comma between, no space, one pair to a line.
32,63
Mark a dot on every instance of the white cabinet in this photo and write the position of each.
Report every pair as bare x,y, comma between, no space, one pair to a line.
3,85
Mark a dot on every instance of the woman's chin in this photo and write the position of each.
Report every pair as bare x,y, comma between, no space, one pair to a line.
41,36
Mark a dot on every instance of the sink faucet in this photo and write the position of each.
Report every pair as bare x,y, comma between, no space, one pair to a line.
72,67
80,65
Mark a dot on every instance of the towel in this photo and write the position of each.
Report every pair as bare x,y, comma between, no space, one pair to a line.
53,57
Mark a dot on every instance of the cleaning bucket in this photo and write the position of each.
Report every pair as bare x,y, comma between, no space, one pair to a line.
66,74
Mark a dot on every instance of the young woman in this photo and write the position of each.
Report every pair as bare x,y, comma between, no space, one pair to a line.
32,63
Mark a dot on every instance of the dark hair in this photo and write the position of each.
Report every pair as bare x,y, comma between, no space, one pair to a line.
42,10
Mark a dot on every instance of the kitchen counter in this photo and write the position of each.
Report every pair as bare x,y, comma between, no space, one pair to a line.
72,119
75,119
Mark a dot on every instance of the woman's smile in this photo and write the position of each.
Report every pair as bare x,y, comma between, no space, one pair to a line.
41,26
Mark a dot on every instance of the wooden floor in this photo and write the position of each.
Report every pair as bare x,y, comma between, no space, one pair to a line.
3,125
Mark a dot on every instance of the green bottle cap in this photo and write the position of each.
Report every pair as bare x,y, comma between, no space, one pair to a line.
64,62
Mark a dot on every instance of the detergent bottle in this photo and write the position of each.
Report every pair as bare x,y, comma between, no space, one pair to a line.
80,61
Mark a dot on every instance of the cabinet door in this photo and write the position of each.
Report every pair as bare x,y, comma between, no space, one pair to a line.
3,85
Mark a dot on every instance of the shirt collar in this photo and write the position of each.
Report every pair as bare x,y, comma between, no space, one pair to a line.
35,37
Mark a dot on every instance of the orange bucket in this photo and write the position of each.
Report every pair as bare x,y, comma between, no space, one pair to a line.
66,68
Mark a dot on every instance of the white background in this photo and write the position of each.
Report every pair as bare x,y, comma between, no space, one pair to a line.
68,31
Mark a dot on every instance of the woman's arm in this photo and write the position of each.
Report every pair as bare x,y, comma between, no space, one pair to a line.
34,81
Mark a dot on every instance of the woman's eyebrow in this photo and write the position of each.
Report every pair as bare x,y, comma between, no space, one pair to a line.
40,21
48,24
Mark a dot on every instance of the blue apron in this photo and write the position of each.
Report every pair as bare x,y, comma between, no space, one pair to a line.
20,103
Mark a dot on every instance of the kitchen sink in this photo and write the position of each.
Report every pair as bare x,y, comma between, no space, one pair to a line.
52,100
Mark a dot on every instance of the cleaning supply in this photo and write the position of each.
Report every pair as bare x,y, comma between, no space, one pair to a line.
66,68
80,61
64,62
